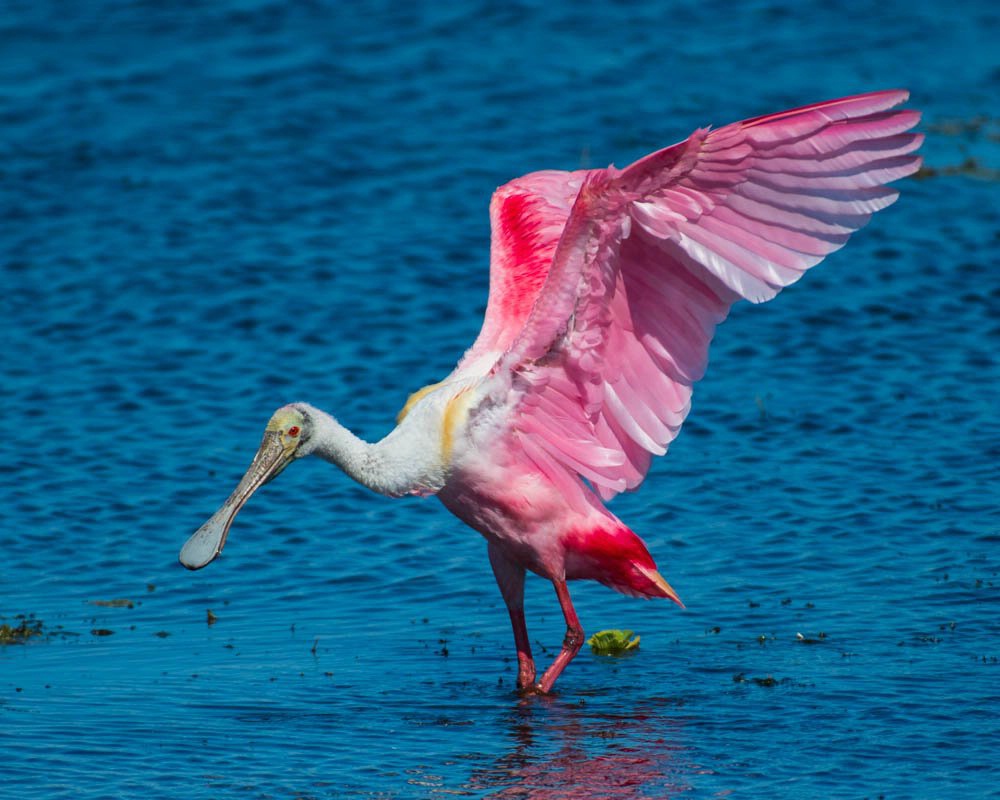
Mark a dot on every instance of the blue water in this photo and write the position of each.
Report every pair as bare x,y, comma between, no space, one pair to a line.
212,209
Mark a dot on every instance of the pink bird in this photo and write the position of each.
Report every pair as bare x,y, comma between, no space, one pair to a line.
605,289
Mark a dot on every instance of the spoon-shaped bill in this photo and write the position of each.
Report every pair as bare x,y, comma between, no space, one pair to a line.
207,542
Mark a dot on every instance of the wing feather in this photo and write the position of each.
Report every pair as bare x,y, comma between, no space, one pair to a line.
607,286
527,216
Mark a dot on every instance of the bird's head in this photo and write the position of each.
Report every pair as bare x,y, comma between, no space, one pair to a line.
287,437
291,427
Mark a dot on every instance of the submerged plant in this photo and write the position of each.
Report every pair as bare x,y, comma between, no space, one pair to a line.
613,642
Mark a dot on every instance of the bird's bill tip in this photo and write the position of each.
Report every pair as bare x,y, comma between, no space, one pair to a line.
207,542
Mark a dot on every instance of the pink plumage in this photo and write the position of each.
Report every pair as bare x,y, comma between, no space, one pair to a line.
606,287
593,367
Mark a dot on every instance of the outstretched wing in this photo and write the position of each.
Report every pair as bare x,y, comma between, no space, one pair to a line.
598,378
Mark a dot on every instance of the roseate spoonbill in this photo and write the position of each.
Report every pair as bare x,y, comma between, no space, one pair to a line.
605,289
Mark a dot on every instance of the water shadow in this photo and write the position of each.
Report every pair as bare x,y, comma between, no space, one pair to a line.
591,749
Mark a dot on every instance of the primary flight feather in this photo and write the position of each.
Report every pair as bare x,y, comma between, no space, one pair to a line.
606,286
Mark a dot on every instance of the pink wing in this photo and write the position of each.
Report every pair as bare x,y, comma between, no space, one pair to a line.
527,217
598,371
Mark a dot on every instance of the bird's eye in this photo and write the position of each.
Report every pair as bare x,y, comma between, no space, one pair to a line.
293,431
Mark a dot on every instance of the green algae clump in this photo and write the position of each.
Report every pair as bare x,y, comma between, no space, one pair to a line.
613,642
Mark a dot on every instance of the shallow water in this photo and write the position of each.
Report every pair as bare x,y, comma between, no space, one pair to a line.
205,214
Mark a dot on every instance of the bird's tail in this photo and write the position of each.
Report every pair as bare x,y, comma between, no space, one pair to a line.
662,588
614,555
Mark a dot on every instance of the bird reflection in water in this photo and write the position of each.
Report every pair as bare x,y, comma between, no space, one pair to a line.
575,751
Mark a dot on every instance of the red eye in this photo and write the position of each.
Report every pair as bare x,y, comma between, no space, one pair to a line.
293,431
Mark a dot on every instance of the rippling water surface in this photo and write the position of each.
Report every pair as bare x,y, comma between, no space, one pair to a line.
207,211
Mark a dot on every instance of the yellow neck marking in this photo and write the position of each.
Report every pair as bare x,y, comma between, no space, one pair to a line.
454,413
415,398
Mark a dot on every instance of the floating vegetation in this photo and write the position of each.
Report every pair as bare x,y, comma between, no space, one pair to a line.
971,167
972,130
121,602
21,632
971,127
612,642
767,681
28,627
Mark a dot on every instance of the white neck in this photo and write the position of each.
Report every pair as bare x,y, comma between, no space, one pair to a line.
401,463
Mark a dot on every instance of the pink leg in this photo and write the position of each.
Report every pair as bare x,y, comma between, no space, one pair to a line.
510,579
571,644
525,663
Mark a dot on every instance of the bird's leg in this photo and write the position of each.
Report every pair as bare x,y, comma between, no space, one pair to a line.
510,579
525,663
571,643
